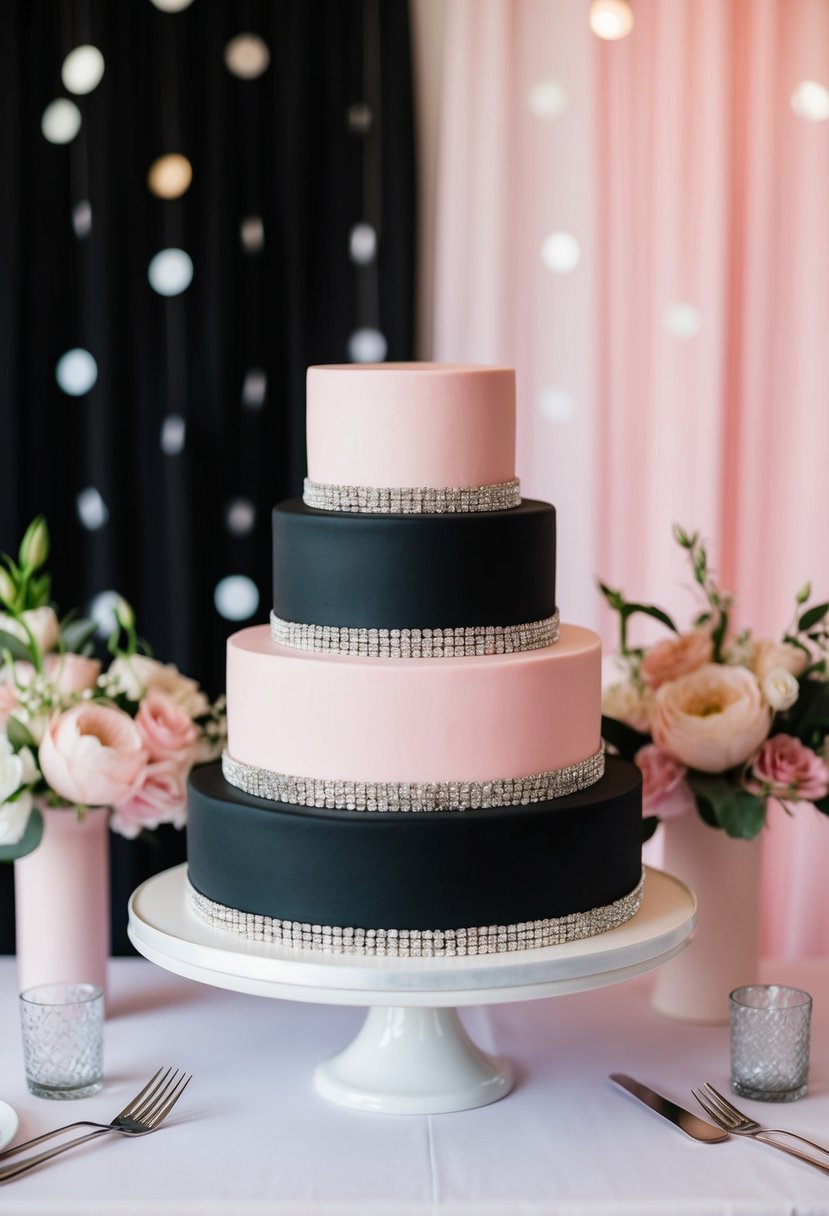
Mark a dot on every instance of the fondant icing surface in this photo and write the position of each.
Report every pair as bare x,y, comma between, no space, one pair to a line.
427,720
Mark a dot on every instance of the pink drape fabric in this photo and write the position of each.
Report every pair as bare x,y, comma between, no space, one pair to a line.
680,370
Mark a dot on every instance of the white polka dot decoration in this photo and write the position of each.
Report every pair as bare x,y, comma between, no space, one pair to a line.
236,597
683,320
367,346
82,218
254,388
101,610
173,435
76,372
252,233
247,56
547,99
810,100
556,405
362,244
170,272
170,176
560,252
171,6
92,510
611,19
61,121
240,516
82,70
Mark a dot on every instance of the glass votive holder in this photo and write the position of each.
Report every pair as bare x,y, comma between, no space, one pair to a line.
770,1042
63,1039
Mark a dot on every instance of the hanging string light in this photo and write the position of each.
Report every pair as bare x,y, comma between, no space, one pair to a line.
611,19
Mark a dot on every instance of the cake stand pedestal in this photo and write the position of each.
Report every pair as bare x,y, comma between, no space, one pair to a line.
412,1055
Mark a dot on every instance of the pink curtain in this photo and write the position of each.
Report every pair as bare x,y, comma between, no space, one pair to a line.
673,364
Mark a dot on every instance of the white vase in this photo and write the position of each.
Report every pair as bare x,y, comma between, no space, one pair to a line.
61,895
724,874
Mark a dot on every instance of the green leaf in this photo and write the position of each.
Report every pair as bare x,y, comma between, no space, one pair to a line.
649,825
812,616
29,841
76,634
19,734
624,738
17,649
650,610
822,805
737,812
614,598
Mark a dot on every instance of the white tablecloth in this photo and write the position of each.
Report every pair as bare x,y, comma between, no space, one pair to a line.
251,1136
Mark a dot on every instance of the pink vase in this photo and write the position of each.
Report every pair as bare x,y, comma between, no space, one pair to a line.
62,901
724,874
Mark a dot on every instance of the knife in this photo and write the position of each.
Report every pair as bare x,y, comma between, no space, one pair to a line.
692,1125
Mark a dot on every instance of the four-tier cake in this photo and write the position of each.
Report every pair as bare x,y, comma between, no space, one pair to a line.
414,762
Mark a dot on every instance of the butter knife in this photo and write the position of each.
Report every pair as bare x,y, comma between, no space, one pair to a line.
692,1125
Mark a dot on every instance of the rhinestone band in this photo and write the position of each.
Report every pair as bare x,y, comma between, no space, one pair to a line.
412,500
419,943
380,796
416,643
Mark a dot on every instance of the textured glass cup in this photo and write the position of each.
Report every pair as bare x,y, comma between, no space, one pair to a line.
63,1039
770,1042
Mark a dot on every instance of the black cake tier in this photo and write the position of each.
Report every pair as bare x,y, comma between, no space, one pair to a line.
414,571
441,870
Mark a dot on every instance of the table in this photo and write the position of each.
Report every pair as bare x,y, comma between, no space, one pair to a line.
251,1137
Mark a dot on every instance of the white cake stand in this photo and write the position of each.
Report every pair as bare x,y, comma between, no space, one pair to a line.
412,1055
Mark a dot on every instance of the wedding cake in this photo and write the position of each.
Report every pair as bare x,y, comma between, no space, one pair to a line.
414,763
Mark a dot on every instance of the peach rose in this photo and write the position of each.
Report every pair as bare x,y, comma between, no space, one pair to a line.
675,657
769,656
785,768
136,675
162,798
93,755
711,719
664,790
627,703
166,729
72,673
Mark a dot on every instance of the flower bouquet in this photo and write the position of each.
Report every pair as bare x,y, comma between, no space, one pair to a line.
75,736
722,720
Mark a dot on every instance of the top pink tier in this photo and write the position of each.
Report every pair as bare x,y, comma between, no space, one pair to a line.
411,424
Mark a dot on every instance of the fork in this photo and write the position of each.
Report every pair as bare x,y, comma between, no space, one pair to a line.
142,1115
728,1117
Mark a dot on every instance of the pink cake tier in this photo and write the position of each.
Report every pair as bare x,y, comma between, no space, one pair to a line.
411,425
473,719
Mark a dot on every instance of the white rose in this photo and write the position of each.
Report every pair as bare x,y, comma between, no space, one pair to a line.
30,772
42,624
627,703
11,776
136,675
6,748
780,688
14,817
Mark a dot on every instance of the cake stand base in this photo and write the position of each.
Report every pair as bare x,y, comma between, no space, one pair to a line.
413,1061
412,1054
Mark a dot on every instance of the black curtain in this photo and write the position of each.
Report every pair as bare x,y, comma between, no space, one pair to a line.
158,481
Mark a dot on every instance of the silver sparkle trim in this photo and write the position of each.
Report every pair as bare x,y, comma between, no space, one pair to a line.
412,500
379,796
416,643
419,943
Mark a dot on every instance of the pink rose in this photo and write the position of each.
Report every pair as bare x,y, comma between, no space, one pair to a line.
8,702
785,768
675,657
161,799
72,673
166,729
712,719
664,790
93,755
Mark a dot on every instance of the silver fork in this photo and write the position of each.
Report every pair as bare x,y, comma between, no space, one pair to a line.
145,1113
726,1115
